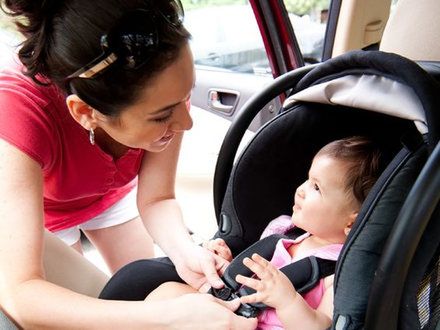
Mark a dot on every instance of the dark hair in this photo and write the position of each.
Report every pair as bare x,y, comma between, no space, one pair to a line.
63,36
364,166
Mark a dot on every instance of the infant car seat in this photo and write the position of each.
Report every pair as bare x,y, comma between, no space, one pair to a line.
393,101
386,97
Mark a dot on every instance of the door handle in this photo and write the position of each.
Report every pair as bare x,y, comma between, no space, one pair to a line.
223,100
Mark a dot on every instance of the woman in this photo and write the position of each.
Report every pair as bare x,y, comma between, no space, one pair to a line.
103,100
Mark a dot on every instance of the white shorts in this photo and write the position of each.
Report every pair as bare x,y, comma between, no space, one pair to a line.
122,211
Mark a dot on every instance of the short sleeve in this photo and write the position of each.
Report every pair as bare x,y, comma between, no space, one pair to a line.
25,120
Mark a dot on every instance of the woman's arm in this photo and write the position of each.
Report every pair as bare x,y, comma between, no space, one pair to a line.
24,294
33,302
157,201
163,218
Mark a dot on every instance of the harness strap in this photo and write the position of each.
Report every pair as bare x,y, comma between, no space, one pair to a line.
264,247
304,273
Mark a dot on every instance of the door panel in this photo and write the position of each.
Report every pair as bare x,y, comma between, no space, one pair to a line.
230,57
235,86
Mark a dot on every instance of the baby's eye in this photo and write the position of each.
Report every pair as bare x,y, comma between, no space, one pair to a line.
316,187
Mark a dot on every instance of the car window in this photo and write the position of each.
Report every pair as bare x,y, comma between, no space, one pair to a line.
309,21
226,37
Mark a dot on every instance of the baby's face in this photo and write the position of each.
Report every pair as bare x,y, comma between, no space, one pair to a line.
323,207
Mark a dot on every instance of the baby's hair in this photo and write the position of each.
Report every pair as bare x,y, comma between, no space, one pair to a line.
363,158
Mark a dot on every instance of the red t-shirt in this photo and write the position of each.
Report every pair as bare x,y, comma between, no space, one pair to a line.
80,179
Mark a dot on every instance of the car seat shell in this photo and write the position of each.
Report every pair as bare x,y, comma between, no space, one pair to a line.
248,179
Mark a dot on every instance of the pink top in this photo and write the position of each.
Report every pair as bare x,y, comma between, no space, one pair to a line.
268,319
80,180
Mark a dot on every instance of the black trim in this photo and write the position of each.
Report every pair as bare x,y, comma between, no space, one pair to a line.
330,30
387,287
299,58
272,31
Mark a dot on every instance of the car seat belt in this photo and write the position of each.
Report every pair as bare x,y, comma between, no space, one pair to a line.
304,274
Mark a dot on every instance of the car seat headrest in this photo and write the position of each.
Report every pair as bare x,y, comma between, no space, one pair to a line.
390,96
400,70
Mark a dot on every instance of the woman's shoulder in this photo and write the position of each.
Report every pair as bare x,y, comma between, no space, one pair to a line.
21,97
32,116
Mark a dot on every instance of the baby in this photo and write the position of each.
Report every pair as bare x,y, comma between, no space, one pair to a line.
325,206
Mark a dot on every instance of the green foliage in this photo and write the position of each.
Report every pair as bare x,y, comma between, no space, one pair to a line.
301,7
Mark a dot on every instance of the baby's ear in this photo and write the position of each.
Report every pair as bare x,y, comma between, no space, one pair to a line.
347,228
353,217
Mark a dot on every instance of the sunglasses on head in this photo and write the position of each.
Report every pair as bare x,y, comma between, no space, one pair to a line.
132,39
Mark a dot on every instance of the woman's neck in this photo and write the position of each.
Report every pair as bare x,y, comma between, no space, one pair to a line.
109,145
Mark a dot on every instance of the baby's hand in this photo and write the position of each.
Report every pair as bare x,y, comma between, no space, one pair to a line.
219,247
272,286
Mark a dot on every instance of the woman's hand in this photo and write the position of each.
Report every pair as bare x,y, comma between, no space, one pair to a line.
200,268
272,286
219,247
206,312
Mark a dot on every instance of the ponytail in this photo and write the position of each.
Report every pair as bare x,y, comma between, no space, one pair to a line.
34,22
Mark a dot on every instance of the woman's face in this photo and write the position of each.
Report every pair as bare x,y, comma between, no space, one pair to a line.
161,110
